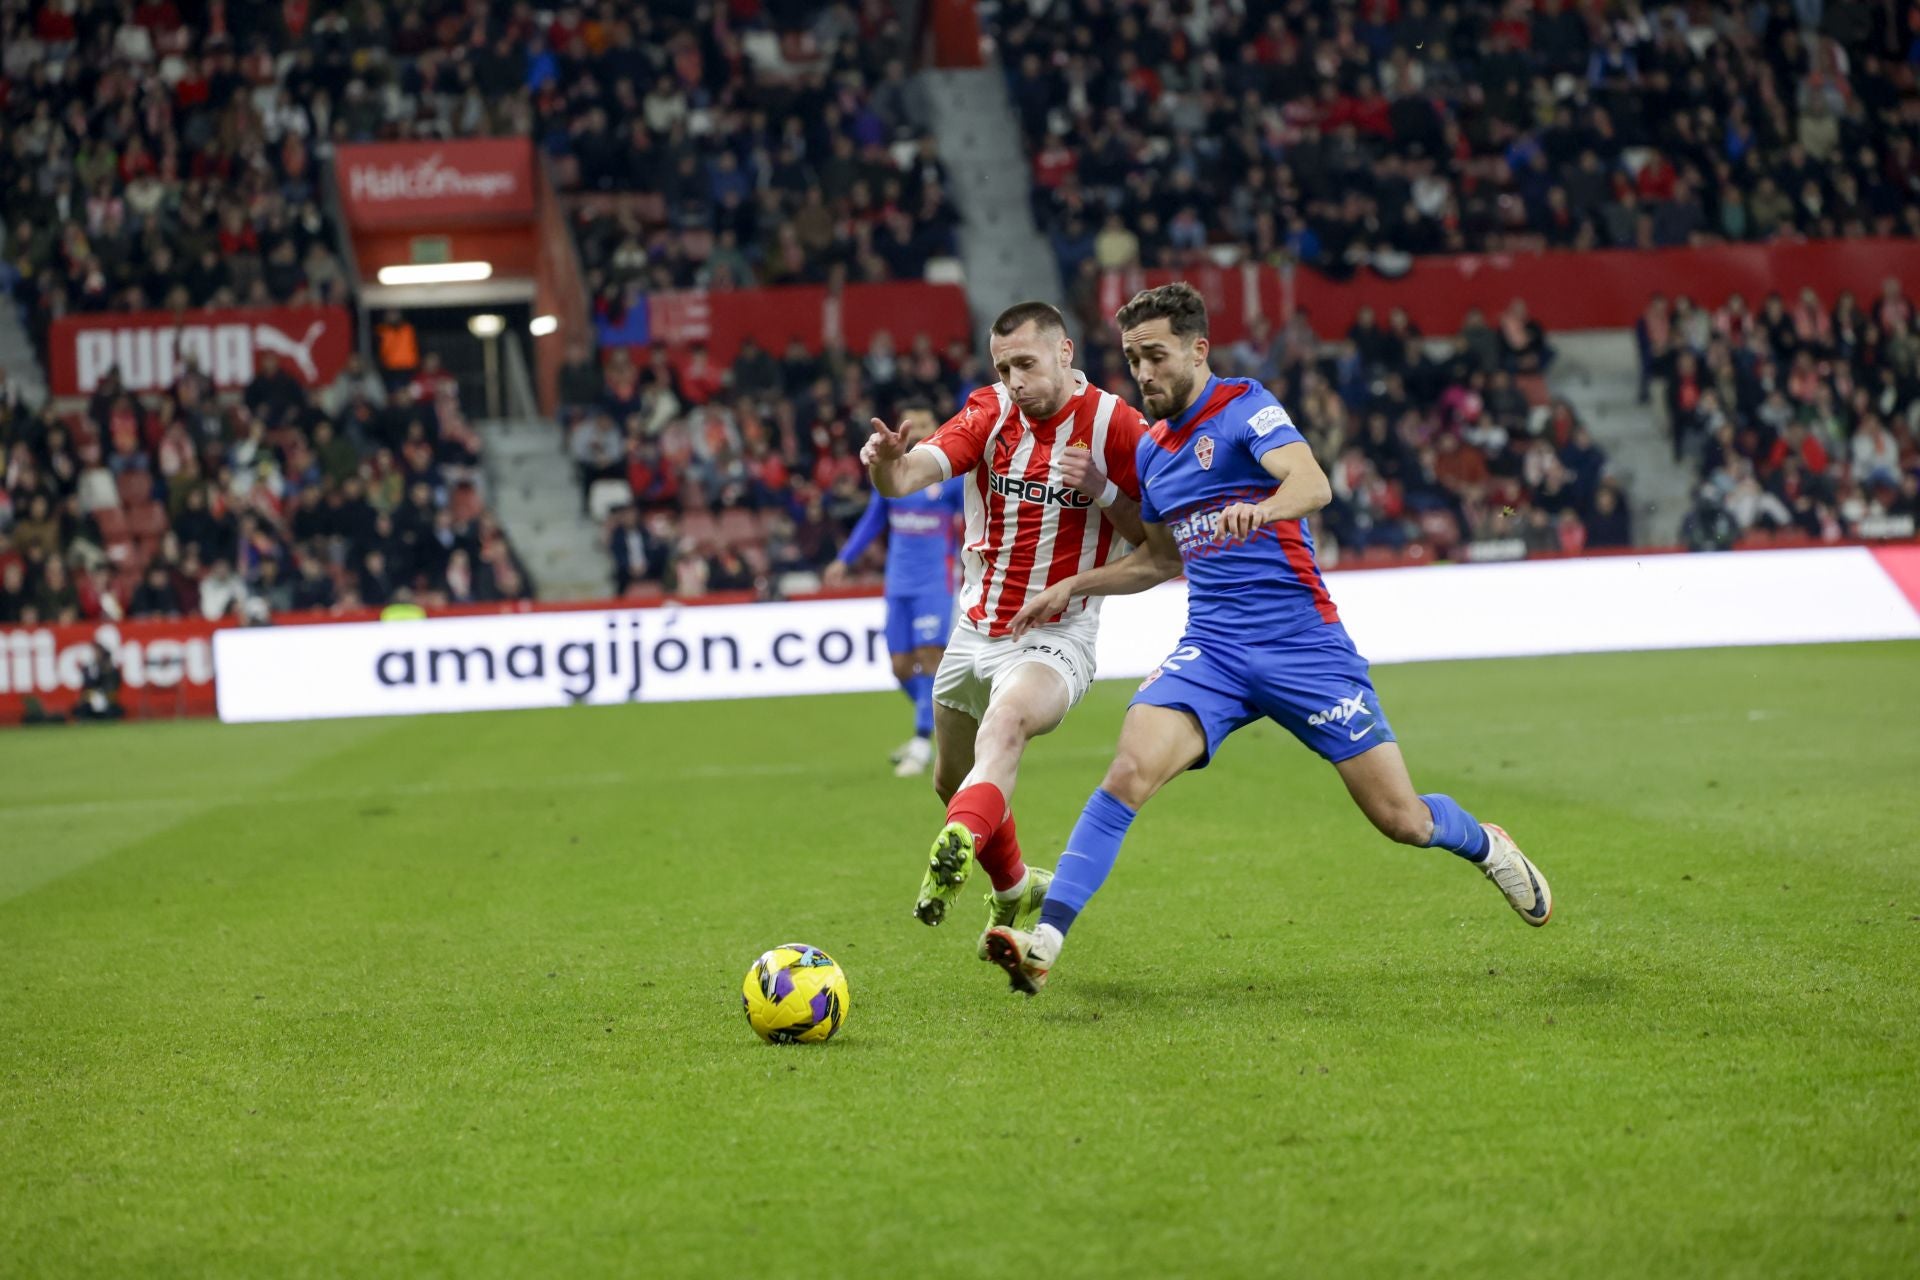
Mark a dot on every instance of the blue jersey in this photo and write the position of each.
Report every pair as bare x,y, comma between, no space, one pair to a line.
1197,464
920,537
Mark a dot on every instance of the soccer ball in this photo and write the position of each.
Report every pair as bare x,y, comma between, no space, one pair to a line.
795,994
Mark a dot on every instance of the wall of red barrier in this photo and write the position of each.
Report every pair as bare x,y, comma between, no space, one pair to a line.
1606,289
774,317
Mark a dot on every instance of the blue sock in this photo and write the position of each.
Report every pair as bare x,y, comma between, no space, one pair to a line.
920,689
1091,851
1455,829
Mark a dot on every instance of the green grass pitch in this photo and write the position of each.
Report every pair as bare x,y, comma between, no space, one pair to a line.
460,996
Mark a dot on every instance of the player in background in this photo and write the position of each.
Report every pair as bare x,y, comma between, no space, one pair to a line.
919,587
1048,462
1263,637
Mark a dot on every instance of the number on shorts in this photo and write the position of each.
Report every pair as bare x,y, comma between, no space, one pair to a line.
1185,653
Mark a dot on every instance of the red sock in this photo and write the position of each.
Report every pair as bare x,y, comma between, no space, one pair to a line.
1001,857
981,808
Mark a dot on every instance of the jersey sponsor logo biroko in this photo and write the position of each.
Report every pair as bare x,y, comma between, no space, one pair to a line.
1037,491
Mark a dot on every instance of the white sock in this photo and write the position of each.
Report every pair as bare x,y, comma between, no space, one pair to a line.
1048,940
1018,890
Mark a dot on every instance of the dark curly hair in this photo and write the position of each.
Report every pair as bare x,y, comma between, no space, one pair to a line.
1179,303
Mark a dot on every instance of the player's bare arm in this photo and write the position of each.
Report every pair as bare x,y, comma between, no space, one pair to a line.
1303,490
1154,561
895,467
1081,470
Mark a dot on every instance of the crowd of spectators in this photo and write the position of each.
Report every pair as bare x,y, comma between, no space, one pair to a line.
1431,444
1801,417
727,480
164,153
161,155
752,145
356,495
1354,137
711,480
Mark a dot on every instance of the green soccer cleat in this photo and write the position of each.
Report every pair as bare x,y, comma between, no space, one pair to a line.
1017,913
947,869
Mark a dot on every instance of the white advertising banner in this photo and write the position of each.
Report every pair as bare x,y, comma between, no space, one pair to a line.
672,654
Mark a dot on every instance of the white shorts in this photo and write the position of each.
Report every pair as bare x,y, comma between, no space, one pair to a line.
975,663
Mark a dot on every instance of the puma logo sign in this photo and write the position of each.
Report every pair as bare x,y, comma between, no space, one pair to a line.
268,338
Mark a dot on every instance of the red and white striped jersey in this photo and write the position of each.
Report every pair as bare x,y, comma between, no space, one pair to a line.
1026,529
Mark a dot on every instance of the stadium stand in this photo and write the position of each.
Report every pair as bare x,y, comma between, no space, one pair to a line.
789,147
153,161
727,481
1354,138
1801,418
353,496
165,155
168,155
1432,444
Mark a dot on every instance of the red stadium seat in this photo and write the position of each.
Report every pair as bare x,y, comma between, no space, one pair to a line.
1533,386
739,528
702,528
148,520
650,207
135,487
112,522
1440,528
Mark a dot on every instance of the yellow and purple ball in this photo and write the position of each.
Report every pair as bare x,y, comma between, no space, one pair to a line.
795,994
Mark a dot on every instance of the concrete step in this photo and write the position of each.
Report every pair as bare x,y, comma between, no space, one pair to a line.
535,495
1598,373
17,357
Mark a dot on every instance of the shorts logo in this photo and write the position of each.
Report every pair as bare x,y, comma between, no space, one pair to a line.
1151,677
1348,710
927,622
1265,421
1203,452
1057,654
1036,491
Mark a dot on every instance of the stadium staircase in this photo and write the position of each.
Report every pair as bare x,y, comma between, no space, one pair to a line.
1005,256
1598,373
534,493
16,355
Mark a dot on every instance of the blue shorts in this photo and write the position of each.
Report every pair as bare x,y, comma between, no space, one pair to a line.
1313,684
919,622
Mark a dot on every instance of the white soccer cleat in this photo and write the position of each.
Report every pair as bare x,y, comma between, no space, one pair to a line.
912,760
899,753
1022,912
1516,877
1023,955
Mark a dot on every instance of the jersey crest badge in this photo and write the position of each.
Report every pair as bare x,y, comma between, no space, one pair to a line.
1203,452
